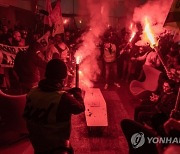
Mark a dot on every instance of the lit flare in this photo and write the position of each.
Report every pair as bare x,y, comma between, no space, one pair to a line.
133,32
132,36
149,33
78,59
65,21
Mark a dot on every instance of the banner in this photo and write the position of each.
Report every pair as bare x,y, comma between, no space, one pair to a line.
173,18
44,39
56,18
8,54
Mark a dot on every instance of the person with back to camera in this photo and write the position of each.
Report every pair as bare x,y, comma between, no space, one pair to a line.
48,111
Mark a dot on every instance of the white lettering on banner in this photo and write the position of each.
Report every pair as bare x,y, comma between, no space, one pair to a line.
8,54
12,49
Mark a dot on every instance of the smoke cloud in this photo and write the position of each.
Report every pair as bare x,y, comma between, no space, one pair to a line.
156,11
88,52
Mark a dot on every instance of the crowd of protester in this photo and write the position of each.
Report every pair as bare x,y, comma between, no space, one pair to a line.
123,57
157,114
119,54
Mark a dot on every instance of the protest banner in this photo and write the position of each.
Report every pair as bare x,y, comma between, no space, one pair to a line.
8,54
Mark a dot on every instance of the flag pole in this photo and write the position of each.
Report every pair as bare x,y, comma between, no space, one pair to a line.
77,71
77,75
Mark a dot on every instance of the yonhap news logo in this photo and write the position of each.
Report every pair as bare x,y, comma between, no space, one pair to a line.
138,140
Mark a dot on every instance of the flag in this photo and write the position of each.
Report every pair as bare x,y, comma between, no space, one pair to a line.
173,18
47,19
56,18
44,39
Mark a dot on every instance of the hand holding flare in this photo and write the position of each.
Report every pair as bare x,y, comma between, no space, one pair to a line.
153,41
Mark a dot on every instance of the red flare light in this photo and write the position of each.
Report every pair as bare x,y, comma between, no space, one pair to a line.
65,21
149,33
132,36
133,30
77,59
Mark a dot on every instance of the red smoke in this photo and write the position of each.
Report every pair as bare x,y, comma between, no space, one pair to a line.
89,52
156,11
